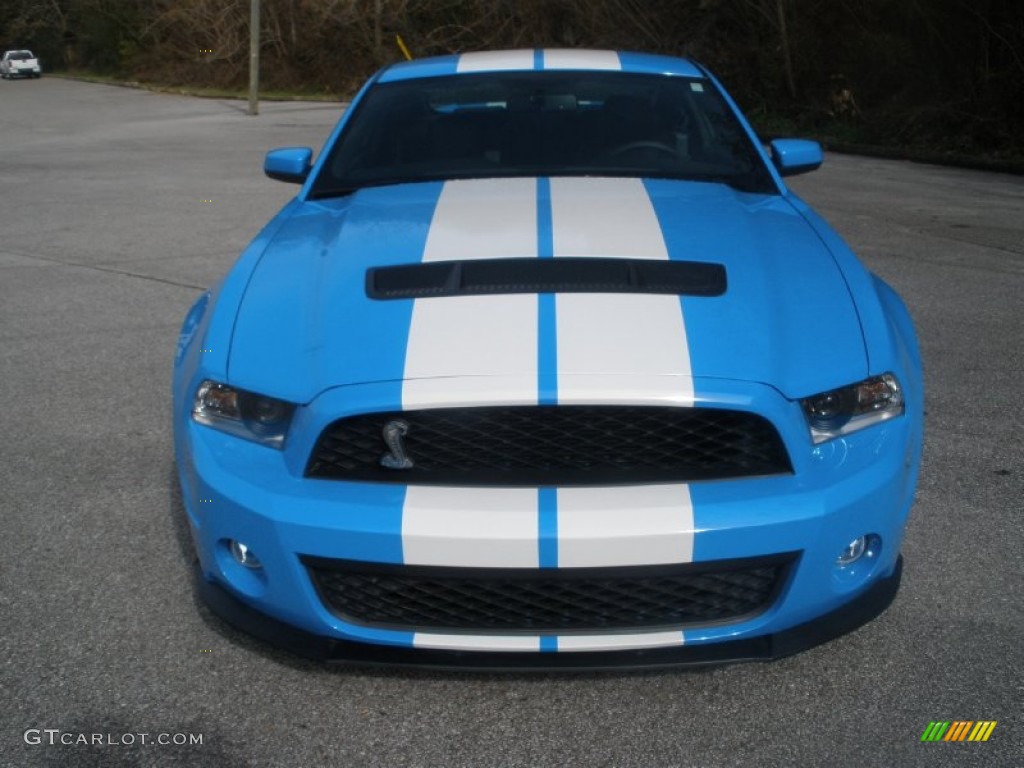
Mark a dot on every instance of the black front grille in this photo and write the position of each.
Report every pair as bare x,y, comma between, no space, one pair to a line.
553,445
547,600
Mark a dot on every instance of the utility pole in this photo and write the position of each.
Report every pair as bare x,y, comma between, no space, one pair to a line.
378,43
787,54
254,57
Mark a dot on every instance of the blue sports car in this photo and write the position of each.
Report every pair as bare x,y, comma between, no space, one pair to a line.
544,366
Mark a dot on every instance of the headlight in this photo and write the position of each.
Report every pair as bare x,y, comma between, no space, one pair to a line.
245,414
842,411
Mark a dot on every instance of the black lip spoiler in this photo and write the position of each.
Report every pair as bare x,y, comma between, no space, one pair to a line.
846,618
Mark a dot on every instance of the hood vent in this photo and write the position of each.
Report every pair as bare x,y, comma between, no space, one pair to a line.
562,275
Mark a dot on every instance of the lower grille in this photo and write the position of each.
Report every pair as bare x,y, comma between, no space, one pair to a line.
549,446
548,600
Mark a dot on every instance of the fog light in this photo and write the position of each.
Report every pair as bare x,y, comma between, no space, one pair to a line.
243,555
861,547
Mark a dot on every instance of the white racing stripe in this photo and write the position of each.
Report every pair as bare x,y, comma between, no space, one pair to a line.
627,525
563,58
618,348
455,642
619,642
470,527
531,643
484,219
605,217
458,348
495,61
475,337
606,336
456,344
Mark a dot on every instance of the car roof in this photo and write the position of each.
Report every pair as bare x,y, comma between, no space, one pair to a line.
546,59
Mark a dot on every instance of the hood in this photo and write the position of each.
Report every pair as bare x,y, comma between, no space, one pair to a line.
306,324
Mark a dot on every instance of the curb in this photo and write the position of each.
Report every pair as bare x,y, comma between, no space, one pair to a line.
184,91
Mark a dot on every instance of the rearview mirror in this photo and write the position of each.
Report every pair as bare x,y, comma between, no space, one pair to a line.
291,164
794,156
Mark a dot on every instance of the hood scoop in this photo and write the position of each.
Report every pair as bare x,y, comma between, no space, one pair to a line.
532,275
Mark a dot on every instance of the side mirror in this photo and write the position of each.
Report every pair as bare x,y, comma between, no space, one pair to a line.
291,164
794,156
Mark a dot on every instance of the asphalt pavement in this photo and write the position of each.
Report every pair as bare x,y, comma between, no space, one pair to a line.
118,206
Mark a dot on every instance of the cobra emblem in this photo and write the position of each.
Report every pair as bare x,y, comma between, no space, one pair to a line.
396,458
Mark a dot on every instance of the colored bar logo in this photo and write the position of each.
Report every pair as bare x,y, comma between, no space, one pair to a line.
958,730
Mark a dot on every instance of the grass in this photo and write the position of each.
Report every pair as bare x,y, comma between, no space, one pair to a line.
856,139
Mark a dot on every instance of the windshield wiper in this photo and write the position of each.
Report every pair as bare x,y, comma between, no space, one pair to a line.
740,182
344,190
320,194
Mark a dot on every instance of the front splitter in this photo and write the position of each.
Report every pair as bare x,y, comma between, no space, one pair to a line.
829,626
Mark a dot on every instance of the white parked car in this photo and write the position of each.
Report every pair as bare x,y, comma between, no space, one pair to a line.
19,64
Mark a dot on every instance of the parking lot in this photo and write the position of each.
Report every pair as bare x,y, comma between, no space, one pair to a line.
119,206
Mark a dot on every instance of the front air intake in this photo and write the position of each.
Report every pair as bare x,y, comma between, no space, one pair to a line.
562,275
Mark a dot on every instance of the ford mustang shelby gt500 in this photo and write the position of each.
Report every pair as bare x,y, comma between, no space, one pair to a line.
545,366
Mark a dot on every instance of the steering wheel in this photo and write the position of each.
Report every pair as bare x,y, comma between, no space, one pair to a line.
634,146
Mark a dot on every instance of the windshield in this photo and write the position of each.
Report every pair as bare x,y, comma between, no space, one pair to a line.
542,124
22,56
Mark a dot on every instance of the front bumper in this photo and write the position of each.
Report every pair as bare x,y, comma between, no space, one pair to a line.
768,647
856,485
